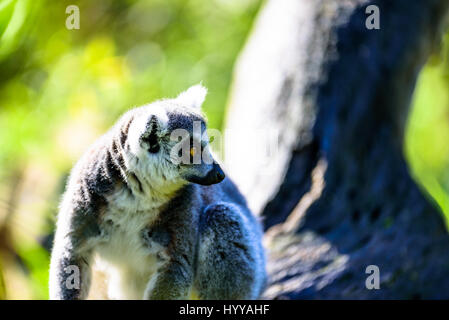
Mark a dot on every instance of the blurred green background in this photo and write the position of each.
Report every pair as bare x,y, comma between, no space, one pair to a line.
60,89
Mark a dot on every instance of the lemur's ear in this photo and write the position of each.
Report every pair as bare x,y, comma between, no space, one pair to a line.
152,138
193,97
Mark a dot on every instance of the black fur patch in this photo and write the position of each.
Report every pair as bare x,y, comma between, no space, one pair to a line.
124,132
132,174
152,138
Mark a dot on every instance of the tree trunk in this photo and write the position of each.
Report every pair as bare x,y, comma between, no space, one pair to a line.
337,196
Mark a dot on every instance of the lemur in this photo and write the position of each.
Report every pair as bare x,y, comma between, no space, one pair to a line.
158,227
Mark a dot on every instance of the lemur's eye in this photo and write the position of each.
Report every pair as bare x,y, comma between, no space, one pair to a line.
192,151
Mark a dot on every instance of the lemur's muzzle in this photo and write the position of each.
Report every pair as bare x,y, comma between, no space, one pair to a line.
215,175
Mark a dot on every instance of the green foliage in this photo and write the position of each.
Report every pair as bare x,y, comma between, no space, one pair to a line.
35,258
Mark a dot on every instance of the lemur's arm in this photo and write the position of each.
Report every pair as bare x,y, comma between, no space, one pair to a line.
174,278
70,269
69,275
173,281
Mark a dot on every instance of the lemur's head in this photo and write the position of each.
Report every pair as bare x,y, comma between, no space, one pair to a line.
168,141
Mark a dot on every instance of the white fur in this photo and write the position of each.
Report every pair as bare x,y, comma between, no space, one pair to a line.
129,272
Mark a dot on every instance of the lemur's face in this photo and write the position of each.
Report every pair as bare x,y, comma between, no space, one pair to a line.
169,141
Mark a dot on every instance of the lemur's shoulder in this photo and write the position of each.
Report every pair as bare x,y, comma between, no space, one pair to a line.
99,169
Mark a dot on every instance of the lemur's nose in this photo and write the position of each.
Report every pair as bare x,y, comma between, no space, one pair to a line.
219,174
215,175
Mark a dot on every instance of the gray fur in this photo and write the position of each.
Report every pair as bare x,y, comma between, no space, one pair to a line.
159,236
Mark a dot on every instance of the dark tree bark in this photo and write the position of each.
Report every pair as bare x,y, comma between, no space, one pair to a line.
338,196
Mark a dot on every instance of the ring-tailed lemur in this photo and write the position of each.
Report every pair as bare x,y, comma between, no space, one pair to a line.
158,228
